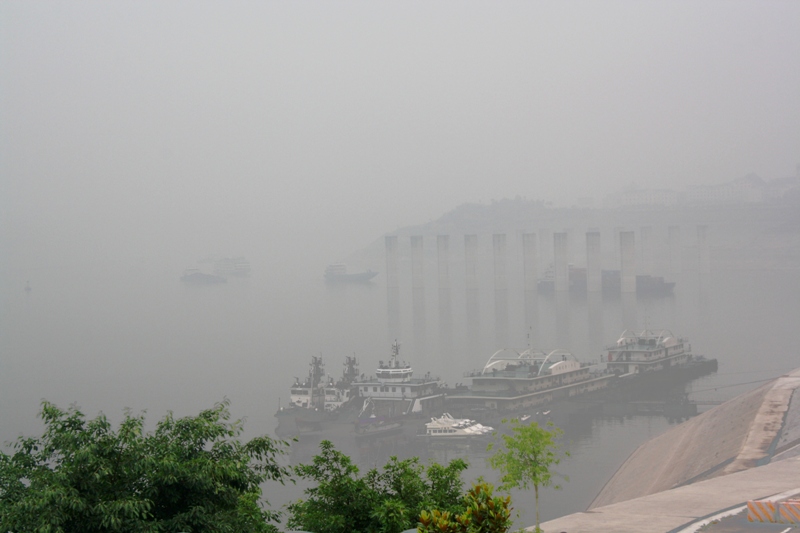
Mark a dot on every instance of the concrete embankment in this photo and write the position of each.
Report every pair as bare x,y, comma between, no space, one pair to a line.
739,434
709,463
674,511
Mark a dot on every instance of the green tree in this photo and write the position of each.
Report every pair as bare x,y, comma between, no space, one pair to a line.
483,513
190,474
388,500
526,458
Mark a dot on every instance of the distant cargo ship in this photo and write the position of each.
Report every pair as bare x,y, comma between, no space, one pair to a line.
193,276
512,381
337,273
611,283
655,352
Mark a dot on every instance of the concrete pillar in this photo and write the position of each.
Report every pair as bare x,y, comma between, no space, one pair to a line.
675,249
500,290
617,253
471,261
703,251
594,280
627,248
391,261
499,248
560,265
392,288
532,314
570,243
530,261
474,338
442,256
545,249
563,337
417,258
418,294
445,305
646,247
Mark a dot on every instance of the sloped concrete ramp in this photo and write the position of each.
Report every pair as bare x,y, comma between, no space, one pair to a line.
673,510
742,433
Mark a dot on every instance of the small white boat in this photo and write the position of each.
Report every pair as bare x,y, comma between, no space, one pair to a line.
447,427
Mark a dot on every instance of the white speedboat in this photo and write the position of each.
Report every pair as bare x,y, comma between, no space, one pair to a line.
447,427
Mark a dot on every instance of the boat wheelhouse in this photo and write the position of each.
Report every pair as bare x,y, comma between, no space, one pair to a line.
648,351
395,391
511,381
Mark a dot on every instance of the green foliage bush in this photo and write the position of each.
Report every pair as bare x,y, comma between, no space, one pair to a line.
190,474
484,513
389,500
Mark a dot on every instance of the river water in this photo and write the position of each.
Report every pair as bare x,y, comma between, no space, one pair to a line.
109,336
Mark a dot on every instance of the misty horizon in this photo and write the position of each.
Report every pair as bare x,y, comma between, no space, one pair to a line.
138,139
149,129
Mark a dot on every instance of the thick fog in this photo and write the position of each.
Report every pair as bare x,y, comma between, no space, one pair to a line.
137,138
152,129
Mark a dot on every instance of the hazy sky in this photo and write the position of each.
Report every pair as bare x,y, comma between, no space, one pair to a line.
140,127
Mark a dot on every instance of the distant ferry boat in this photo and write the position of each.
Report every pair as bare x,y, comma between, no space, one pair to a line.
337,273
512,381
654,351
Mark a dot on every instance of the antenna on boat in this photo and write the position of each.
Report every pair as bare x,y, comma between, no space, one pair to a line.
530,348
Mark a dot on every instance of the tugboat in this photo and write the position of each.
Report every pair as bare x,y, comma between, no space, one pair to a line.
655,352
316,400
394,391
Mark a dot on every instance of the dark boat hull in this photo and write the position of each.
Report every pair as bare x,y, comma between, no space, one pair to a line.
358,277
